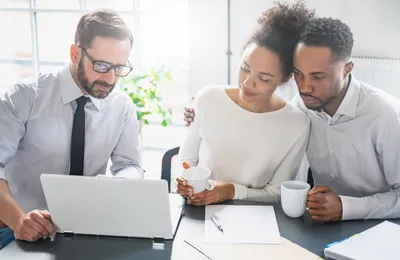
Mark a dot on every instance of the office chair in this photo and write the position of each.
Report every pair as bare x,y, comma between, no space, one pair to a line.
310,179
166,165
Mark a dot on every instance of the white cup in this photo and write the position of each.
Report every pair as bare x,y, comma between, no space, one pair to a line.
199,178
294,197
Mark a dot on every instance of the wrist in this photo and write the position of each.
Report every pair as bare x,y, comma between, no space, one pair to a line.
229,191
15,220
10,211
341,209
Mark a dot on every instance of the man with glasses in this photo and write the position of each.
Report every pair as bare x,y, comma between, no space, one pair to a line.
68,122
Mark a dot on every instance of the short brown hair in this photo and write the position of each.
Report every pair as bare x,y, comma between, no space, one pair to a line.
103,23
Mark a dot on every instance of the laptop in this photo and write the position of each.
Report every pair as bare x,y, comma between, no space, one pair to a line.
86,205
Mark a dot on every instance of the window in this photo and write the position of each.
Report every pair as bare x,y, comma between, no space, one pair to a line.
16,40
13,72
58,4
55,38
15,3
118,5
43,30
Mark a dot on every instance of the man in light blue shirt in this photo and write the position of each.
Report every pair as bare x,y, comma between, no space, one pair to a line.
355,129
68,122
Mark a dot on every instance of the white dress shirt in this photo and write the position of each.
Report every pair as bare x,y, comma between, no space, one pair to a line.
36,119
356,151
254,151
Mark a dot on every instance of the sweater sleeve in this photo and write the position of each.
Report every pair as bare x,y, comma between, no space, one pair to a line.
189,149
287,170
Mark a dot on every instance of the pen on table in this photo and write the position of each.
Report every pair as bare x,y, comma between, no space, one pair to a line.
217,224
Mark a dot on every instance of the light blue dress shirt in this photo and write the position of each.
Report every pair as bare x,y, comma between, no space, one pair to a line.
356,151
36,119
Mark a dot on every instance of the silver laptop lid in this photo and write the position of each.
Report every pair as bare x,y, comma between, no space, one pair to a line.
109,206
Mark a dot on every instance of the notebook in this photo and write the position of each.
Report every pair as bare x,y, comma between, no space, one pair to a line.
112,206
241,225
378,242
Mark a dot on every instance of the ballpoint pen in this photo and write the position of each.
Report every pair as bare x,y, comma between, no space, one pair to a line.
217,224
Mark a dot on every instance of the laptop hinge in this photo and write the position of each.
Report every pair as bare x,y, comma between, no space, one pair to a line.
68,233
158,240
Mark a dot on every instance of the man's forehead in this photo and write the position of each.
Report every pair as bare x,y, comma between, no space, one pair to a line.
111,50
314,56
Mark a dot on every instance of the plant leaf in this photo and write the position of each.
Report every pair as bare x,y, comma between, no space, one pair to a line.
145,91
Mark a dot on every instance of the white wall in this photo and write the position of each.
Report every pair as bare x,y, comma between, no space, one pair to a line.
208,43
244,16
374,23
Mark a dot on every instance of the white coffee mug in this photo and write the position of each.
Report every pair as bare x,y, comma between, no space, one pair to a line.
294,197
199,178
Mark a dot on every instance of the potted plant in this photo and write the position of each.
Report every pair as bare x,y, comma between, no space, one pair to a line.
144,90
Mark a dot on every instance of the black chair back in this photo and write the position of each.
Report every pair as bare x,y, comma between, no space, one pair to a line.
166,165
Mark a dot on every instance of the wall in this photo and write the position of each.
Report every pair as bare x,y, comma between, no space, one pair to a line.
208,40
375,25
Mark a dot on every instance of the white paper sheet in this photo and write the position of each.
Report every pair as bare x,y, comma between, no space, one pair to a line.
286,250
378,242
242,225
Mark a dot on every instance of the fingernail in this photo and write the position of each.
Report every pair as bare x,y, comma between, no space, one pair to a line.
190,190
192,198
184,183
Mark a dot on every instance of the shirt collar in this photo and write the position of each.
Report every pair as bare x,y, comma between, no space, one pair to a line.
349,104
70,91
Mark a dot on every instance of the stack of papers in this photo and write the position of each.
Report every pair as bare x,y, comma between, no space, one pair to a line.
378,242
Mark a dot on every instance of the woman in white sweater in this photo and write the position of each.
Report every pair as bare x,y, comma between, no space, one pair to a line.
251,139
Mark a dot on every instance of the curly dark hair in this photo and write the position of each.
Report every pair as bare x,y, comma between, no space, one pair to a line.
331,33
103,23
279,31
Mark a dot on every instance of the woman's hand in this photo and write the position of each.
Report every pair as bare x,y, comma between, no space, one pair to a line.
183,188
221,192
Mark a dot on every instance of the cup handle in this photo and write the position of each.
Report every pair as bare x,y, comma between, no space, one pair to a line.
210,185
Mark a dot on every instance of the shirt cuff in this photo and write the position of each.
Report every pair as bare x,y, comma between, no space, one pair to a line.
353,208
240,192
2,175
129,173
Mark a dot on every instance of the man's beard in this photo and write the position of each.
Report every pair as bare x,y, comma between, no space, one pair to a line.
90,88
322,104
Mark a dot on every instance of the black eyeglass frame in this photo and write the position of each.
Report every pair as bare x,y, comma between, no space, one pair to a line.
108,66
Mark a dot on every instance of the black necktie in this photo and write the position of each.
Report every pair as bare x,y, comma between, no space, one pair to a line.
78,138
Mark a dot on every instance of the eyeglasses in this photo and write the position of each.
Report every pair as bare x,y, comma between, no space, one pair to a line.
105,67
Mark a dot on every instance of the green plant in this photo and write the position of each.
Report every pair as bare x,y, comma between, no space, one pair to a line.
144,90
